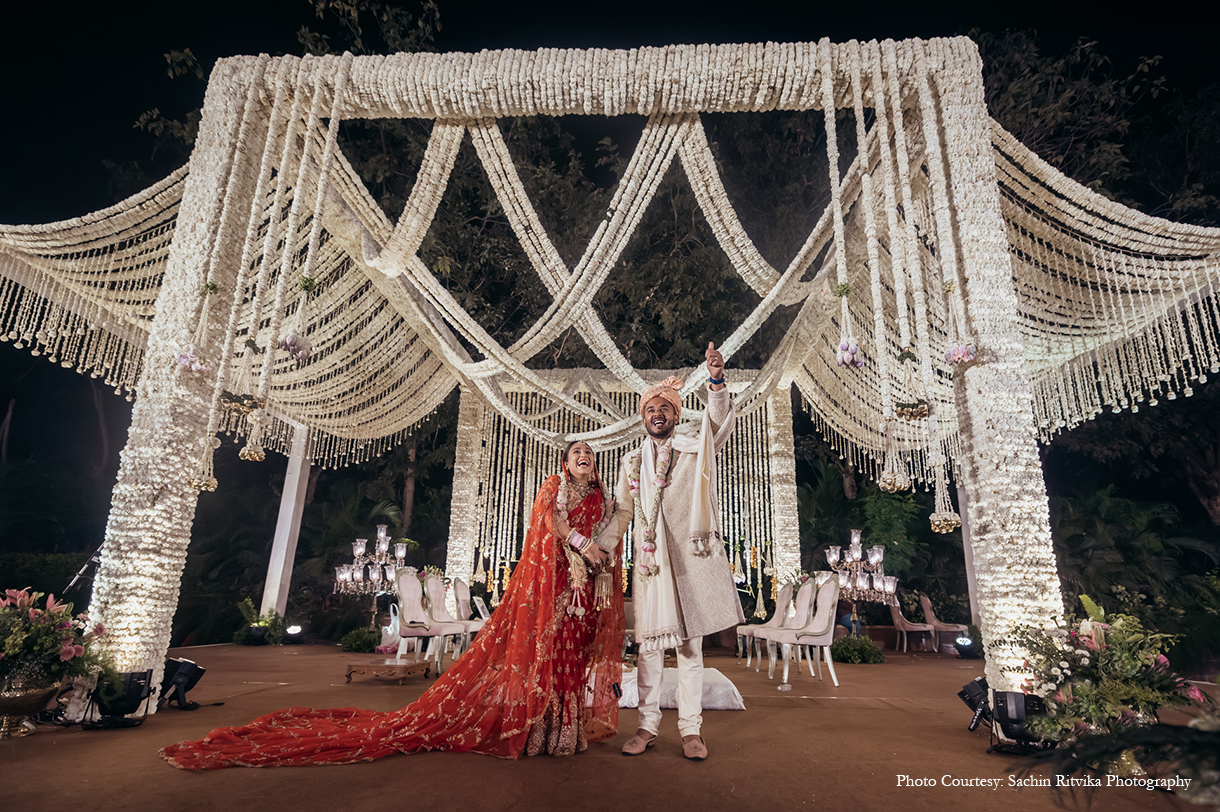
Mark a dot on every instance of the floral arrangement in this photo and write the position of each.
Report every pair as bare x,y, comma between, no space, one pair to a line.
1098,677
39,647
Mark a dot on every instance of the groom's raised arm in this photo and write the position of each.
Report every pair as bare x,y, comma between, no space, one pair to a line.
721,415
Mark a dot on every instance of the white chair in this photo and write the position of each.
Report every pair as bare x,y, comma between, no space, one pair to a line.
902,626
820,633
449,628
461,591
804,601
938,626
414,623
745,634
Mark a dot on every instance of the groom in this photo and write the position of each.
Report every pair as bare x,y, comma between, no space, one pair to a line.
683,586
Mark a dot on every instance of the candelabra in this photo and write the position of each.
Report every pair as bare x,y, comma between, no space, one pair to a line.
862,576
371,572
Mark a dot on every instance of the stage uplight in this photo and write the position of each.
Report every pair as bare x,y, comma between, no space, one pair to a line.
974,694
180,677
135,691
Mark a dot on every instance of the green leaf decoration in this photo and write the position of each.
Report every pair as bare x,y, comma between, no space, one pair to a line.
1096,613
843,290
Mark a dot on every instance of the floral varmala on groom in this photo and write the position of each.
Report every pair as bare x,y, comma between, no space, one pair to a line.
683,581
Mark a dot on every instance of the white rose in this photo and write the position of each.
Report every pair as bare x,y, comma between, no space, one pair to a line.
1056,671
1086,627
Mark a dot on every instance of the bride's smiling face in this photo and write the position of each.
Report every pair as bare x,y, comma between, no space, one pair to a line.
580,462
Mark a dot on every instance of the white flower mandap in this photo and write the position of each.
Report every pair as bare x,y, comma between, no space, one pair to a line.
992,301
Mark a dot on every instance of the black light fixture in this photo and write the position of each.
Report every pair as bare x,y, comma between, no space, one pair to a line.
294,634
1010,710
180,677
114,712
974,694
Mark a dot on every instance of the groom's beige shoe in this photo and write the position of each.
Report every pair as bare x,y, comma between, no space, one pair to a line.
640,742
694,748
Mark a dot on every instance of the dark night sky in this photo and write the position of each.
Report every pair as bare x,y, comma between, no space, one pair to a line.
75,77
74,81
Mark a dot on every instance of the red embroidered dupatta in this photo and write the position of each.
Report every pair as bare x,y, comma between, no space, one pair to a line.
486,702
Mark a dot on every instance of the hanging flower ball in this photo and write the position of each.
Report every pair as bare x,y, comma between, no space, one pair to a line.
850,355
191,360
894,481
207,483
252,453
945,521
296,345
960,354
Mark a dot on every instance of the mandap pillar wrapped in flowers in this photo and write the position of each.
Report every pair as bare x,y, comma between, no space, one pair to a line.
1013,557
153,504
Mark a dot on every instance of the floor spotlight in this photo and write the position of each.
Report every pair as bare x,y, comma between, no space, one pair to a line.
294,634
180,677
974,694
135,691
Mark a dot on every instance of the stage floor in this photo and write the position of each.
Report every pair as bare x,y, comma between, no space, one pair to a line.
814,747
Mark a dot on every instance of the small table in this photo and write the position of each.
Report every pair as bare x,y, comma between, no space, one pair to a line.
389,668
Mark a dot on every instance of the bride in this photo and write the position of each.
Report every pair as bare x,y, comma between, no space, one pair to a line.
541,677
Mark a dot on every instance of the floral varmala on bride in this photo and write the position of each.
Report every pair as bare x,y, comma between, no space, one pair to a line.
540,677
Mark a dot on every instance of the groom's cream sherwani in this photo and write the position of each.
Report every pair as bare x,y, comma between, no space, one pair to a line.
693,594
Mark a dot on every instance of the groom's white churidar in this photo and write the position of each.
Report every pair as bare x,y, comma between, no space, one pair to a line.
692,592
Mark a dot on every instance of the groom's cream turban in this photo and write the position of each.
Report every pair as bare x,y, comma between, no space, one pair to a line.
669,390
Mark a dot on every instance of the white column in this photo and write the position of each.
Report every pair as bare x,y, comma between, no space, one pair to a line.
1010,535
786,528
972,581
153,505
288,525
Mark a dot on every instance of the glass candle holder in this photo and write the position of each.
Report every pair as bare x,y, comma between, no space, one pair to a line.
359,546
832,555
383,546
400,550
383,531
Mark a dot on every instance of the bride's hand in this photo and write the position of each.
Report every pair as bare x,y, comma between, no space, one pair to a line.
596,556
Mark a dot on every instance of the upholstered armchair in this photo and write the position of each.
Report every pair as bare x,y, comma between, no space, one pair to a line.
461,592
449,628
902,626
745,634
820,633
939,627
799,620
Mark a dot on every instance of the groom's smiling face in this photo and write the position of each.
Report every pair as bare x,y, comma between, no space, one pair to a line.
659,418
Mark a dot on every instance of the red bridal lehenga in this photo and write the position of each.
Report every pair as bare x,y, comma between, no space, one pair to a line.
538,678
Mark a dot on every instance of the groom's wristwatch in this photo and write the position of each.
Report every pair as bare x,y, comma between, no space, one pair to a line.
716,381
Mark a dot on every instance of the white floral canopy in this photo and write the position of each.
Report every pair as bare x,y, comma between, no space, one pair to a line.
990,299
